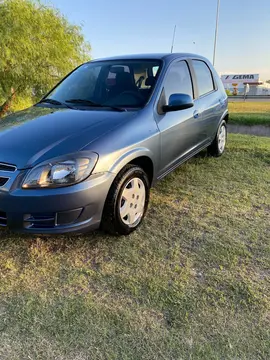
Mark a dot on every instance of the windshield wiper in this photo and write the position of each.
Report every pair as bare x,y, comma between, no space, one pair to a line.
54,102
92,103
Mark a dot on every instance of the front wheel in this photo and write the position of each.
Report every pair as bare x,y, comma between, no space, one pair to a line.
127,201
218,145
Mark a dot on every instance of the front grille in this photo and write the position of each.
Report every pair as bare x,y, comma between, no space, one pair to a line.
3,181
7,167
40,221
3,218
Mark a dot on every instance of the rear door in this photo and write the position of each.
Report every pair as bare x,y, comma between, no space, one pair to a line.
208,96
180,134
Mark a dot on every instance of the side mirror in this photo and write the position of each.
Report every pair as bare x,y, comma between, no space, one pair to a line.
178,102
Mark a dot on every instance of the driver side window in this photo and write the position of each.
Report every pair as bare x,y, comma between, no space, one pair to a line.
178,80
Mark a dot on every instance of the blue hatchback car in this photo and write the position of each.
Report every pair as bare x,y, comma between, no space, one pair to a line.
88,153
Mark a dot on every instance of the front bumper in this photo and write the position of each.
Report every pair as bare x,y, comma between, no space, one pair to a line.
76,208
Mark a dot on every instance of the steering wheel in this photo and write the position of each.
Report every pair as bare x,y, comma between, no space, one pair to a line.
139,81
134,94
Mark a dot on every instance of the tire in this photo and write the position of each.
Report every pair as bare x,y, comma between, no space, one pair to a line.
128,194
218,145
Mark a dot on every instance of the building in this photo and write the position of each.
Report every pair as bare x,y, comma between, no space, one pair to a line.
235,84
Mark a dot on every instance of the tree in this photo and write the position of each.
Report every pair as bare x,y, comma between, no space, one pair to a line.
38,47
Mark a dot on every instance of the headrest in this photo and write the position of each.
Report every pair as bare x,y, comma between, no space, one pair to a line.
150,81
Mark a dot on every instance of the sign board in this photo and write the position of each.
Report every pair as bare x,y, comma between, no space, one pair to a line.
240,78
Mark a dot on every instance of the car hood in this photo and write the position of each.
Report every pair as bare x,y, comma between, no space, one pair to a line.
40,133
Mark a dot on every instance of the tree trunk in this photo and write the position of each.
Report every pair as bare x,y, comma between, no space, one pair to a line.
6,105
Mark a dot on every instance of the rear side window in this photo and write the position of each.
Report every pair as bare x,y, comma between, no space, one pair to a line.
204,77
155,70
178,80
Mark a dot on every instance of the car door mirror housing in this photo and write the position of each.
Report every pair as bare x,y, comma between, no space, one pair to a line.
178,102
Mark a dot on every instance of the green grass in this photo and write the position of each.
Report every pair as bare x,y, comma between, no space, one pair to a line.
192,283
250,113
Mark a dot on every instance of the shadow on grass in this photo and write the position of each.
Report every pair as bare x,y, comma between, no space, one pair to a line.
19,244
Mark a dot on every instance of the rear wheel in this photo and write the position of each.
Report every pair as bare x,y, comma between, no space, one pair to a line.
127,201
218,145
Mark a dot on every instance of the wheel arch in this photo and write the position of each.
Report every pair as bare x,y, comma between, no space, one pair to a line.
225,116
146,164
141,157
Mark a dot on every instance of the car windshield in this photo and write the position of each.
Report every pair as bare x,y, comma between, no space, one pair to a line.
121,83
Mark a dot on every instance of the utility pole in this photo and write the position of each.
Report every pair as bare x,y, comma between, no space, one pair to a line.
174,31
216,32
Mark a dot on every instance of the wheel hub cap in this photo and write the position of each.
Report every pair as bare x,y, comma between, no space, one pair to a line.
222,138
132,202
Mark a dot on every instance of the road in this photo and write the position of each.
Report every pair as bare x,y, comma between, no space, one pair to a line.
249,99
257,130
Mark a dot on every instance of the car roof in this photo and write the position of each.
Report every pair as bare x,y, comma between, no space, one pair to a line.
155,56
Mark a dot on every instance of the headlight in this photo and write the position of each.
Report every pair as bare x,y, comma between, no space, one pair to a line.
60,172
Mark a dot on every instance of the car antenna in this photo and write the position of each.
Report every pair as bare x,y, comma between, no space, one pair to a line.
174,31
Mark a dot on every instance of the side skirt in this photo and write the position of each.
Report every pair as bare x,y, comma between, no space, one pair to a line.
184,159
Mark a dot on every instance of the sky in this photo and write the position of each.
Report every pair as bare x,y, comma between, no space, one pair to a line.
117,27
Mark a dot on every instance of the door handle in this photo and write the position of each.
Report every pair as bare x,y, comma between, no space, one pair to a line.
196,114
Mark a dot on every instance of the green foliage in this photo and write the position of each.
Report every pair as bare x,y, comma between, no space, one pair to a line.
228,92
21,102
38,47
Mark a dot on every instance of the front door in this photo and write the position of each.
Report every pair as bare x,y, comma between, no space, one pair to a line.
179,130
